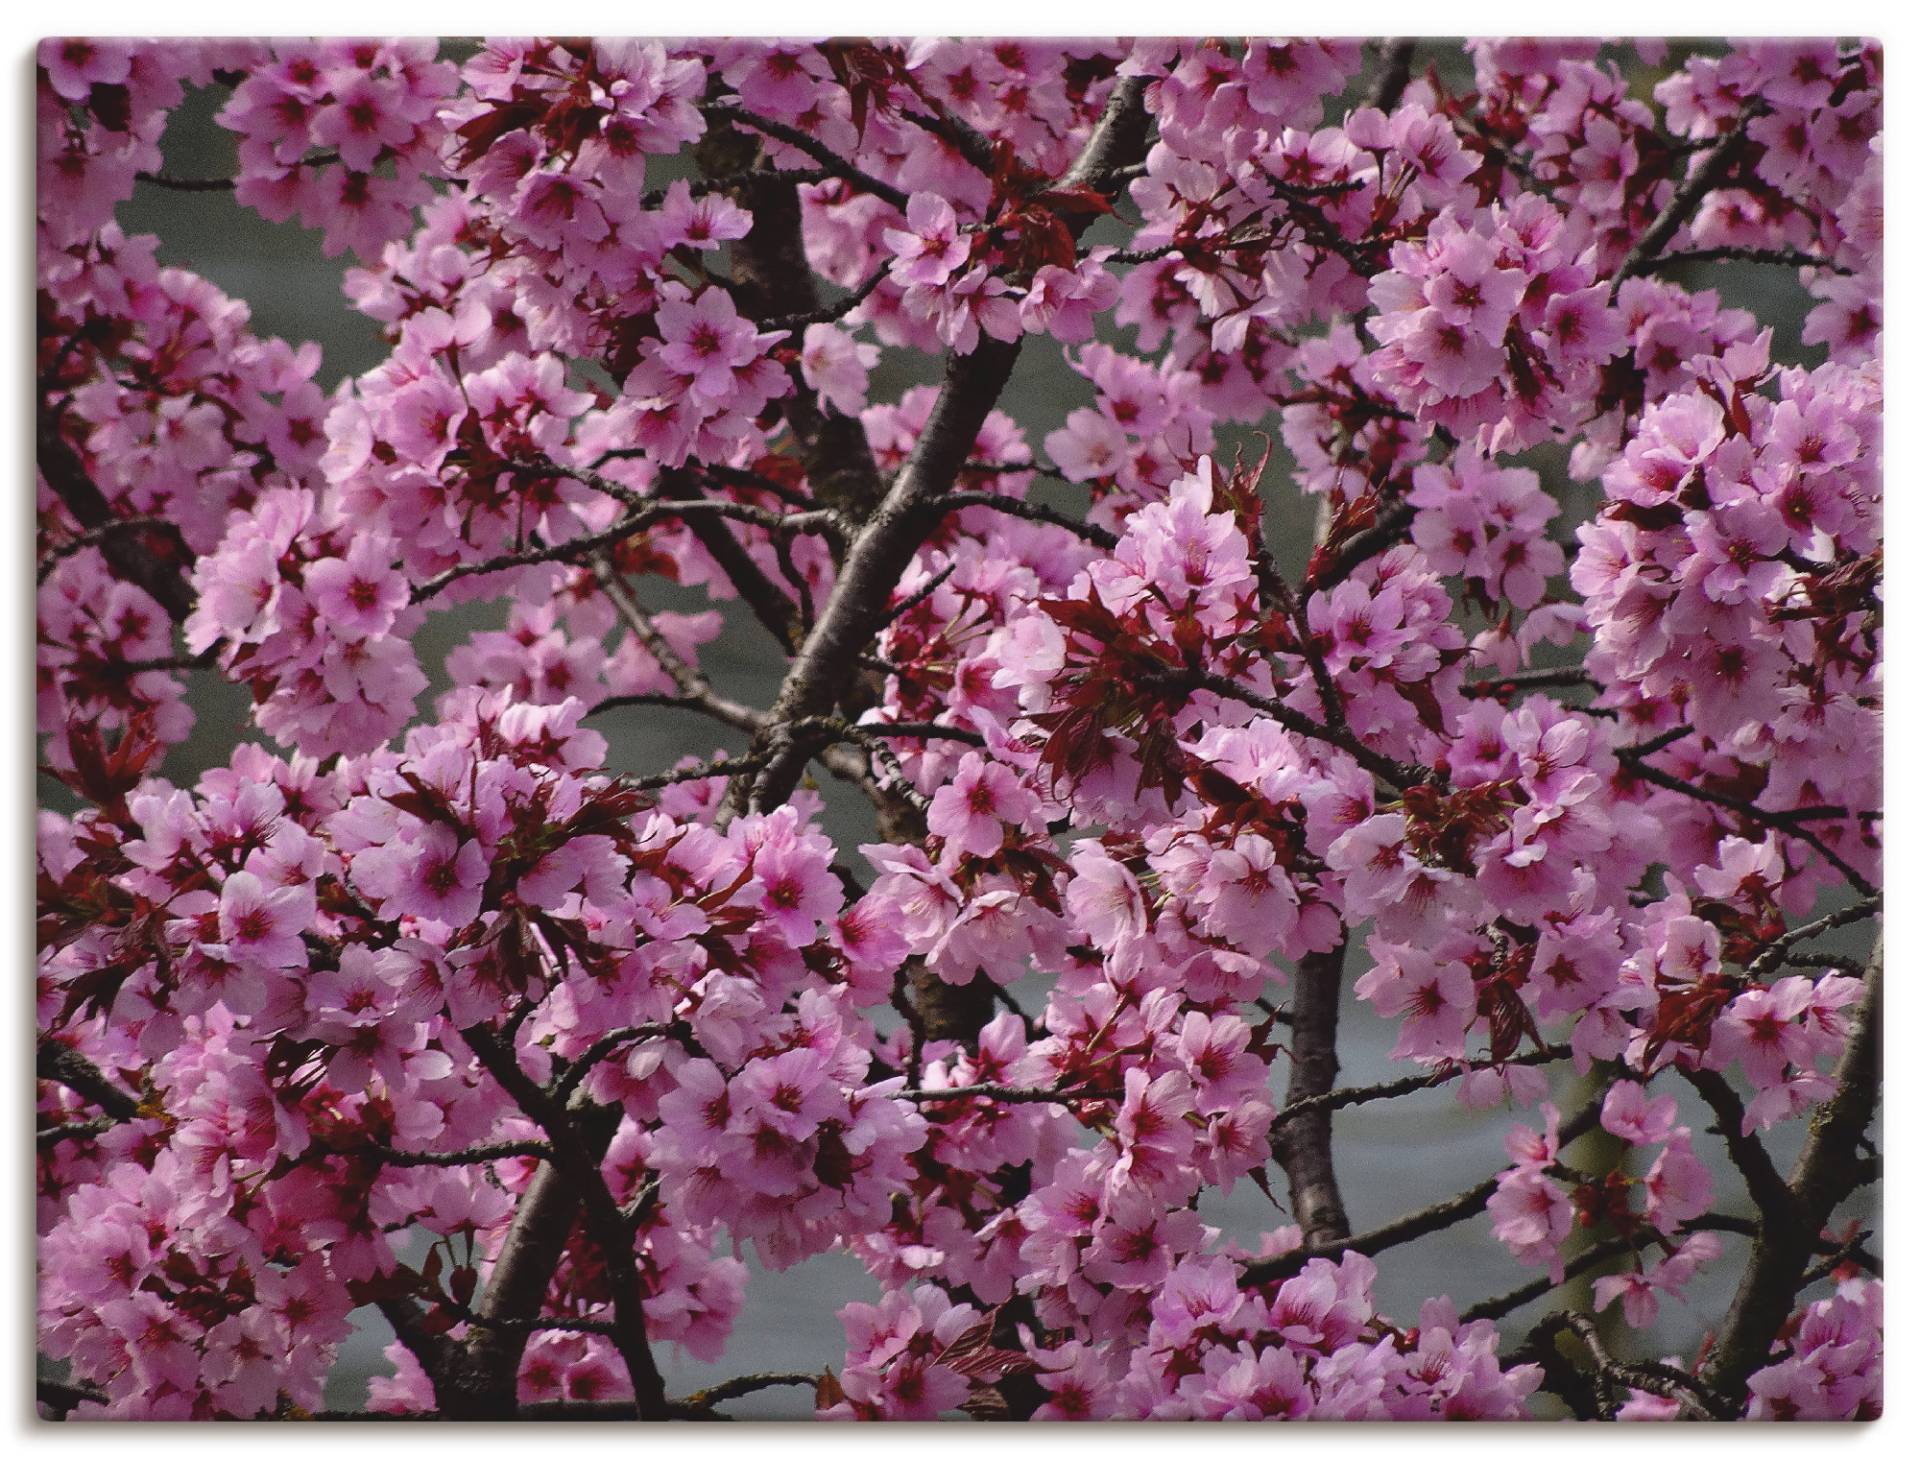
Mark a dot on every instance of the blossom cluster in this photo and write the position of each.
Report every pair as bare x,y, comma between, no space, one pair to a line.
1553,739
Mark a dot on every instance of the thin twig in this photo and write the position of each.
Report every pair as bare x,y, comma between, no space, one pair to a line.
1782,257
1749,811
1099,536
828,313
1000,1093
1435,1217
654,510
477,1154
832,161
1344,1098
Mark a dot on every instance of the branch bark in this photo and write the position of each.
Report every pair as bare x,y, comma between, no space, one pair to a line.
1304,1143
576,1156
777,285
129,554
66,1065
1825,1173
900,524
1680,207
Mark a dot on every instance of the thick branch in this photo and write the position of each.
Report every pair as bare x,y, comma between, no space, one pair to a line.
578,1159
159,575
1771,1197
1303,1144
1681,206
1396,69
66,1065
898,526
1827,1171
777,285
879,557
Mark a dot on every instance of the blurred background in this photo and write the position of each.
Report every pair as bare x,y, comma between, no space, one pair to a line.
1393,1156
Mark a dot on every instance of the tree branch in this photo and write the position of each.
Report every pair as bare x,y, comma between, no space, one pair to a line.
831,161
898,525
1031,511
1396,69
1610,1373
578,1160
696,512
695,689
64,1064
1400,776
1435,1217
1303,1142
1779,257
1343,1098
1495,1307
1775,1202
160,576
1825,1173
476,1154
1634,764
1680,207
1771,955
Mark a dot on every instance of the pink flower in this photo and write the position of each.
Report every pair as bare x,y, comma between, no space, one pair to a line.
1155,1137
261,927
704,222
835,366
930,249
1629,1114
1435,995
707,342
358,596
788,1094
76,64
1678,1186
440,878
1761,1030
1532,1216
1373,861
973,811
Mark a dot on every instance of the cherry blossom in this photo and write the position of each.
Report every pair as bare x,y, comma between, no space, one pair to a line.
1242,529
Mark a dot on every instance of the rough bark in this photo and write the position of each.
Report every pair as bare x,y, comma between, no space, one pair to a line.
1827,1171
153,560
1304,1144
900,524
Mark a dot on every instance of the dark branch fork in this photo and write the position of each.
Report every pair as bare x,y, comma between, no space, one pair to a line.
1712,170
162,577
1436,1217
901,521
1827,1170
